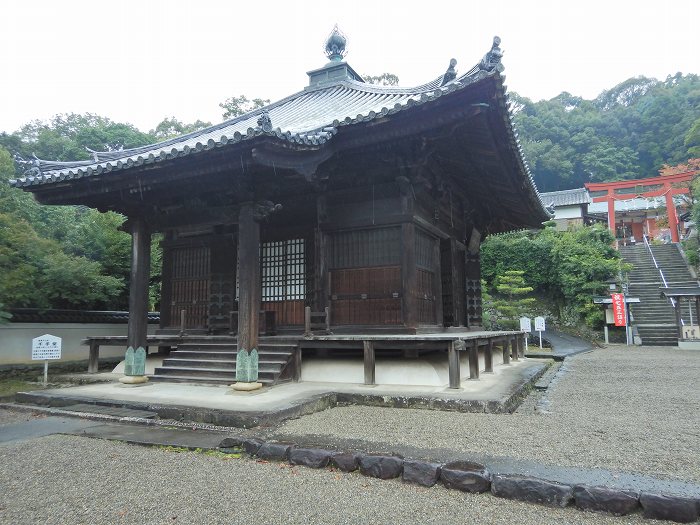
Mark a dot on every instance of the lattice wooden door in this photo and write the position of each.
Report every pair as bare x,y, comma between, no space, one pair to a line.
190,285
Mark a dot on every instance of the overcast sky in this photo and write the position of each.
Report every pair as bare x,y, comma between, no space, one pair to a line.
140,61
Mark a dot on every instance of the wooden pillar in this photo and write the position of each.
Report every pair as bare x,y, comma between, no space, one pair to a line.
369,362
506,351
321,279
472,275
488,357
138,283
679,326
453,361
697,311
409,303
437,284
474,360
516,347
248,277
671,211
94,357
297,363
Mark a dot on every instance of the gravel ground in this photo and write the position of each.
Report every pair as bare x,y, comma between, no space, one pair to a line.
632,409
67,479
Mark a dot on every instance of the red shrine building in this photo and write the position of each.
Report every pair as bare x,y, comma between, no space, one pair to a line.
633,205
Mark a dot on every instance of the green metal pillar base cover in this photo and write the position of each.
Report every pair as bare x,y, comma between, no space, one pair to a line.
134,366
247,366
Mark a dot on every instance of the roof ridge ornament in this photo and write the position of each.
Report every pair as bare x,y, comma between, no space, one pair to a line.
492,59
335,45
450,74
265,122
28,168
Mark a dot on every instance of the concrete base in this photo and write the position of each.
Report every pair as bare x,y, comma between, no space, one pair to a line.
133,380
246,387
500,392
689,345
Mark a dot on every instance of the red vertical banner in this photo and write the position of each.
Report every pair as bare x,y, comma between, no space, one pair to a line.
618,304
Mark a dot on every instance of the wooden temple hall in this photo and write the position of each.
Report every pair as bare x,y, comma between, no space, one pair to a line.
344,218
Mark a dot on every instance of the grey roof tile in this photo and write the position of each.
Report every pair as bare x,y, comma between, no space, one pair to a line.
566,197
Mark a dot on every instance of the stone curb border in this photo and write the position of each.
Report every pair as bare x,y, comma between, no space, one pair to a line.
475,478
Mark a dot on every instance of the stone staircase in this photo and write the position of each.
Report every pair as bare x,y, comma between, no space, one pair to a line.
654,316
215,362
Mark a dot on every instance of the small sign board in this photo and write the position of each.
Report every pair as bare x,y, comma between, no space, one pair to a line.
526,324
46,347
619,313
539,324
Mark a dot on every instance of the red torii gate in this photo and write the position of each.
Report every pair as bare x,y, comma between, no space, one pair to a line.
666,186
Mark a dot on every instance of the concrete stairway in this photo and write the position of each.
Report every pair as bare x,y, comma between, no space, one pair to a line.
215,362
654,316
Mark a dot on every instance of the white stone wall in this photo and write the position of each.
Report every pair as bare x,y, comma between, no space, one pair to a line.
16,340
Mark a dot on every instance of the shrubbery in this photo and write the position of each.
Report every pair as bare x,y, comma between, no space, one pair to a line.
565,268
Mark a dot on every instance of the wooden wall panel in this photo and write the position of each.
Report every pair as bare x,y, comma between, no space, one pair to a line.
426,297
364,248
190,285
366,296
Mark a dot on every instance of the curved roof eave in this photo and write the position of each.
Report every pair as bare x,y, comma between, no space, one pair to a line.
308,117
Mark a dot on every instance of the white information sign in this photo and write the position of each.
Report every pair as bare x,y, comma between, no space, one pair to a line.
539,324
46,347
526,324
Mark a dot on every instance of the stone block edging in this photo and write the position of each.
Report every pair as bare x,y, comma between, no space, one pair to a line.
474,477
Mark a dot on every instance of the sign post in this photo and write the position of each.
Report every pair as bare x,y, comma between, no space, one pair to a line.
620,312
44,348
526,326
539,327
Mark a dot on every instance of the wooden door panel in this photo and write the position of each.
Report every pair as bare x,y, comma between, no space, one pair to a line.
366,296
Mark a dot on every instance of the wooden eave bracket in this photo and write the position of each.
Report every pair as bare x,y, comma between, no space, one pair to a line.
305,162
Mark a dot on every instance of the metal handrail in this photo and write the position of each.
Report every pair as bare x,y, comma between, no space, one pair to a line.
656,265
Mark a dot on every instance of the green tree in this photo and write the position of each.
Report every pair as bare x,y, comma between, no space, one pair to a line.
629,131
511,302
692,139
66,137
171,127
237,106
565,268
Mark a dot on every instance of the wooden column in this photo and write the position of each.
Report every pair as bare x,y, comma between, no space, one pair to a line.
94,358
506,351
453,361
297,363
409,303
437,283
474,360
516,347
138,283
369,362
248,277
679,326
321,280
488,358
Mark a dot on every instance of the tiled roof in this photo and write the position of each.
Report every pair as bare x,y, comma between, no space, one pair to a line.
566,197
35,315
310,117
636,204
